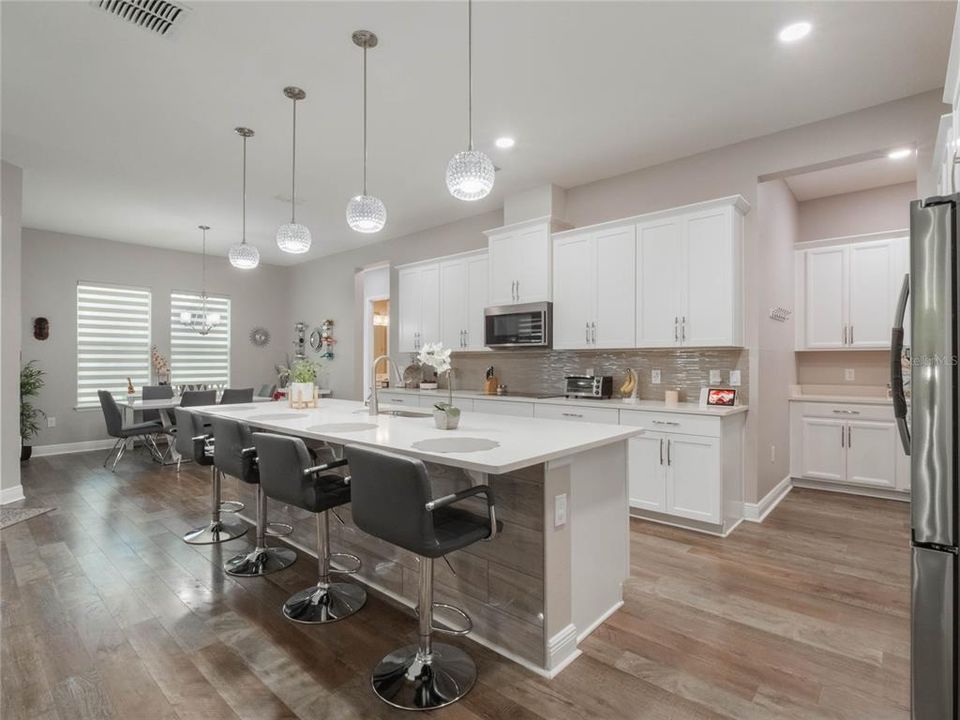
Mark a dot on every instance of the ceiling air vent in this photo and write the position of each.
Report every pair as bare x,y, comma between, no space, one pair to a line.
157,16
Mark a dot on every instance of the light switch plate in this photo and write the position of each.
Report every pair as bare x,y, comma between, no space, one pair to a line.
734,378
655,377
849,374
715,377
51,421
560,510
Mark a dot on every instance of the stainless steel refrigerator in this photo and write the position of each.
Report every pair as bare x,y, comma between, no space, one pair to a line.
928,424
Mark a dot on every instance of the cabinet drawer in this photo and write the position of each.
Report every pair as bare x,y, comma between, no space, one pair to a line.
672,422
610,416
847,411
504,407
398,398
428,401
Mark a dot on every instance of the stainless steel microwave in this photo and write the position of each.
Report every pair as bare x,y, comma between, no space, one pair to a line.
519,326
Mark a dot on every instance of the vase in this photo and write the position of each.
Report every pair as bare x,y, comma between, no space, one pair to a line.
446,419
301,392
25,452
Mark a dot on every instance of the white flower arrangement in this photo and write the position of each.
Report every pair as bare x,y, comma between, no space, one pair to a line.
445,415
436,356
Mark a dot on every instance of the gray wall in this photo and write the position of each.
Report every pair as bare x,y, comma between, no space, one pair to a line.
857,213
53,263
11,188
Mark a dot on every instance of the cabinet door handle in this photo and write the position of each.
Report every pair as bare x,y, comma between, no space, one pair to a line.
843,429
844,334
586,333
683,328
593,333
661,451
668,451
466,338
847,412
849,437
518,291
570,414
851,334
665,422
676,329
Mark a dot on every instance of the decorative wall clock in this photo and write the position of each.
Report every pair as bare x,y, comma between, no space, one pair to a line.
259,337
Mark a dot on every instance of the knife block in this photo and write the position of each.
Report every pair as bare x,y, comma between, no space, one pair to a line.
490,386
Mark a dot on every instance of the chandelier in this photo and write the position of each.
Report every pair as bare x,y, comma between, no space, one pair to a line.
201,321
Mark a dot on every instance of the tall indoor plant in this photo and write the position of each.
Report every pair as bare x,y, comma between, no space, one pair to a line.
31,382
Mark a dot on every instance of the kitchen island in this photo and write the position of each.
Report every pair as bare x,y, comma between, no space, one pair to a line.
553,574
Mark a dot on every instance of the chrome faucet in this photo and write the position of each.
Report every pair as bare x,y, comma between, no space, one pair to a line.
374,405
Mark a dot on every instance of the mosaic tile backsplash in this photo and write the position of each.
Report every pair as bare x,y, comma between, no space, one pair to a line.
543,371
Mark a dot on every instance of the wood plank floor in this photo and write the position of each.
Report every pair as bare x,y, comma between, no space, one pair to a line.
107,614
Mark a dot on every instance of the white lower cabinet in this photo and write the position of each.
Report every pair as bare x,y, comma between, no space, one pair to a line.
504,407
682,476
578,414
848,444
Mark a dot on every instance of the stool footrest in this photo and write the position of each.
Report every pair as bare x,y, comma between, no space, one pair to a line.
279,529
231,506
348,570
446,628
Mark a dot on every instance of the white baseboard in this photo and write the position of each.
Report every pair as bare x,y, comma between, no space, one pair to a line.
599,621
756,512
9,495
826,485
562,649
74,447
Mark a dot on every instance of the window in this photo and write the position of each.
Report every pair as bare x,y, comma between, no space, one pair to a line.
113,340
197,359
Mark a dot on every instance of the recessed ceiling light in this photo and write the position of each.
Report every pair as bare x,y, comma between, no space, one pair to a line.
504,143
795,31
900,153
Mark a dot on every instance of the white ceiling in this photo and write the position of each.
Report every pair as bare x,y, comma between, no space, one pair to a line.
129,136
878,172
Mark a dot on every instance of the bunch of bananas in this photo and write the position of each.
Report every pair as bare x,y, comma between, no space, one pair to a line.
630,384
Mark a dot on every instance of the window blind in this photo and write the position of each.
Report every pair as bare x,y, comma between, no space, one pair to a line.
113,340
199,359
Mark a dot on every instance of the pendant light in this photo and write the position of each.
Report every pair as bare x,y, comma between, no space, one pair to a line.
470,173
293,237
242,255
365,213
202,321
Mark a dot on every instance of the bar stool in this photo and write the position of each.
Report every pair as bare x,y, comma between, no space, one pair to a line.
234,455
194,443
392,500
288,474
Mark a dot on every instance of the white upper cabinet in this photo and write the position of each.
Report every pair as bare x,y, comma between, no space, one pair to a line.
847,294
689,279
419,306
594,289
520,263
463,297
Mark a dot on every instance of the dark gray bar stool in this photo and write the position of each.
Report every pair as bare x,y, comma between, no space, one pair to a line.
287,474
234,454
392,500
195,444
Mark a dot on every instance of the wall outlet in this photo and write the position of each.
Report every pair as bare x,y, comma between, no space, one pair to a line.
715,377
849,374
51,421
560,510
734,378
655,377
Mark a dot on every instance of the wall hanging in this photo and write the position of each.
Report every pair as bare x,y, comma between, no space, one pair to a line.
259,337
41,328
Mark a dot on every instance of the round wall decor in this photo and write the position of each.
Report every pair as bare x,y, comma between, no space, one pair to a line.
259,336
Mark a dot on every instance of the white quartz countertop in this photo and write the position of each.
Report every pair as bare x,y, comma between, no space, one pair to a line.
521,442
612,403
844,399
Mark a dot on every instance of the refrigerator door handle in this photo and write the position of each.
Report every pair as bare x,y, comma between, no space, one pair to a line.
896,366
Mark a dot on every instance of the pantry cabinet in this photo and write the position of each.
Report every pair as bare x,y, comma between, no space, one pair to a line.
464,284
595,289
847,293
418,299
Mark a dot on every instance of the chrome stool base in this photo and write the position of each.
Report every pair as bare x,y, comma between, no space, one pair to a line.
260,561
407,680
214,533
318,604
231,506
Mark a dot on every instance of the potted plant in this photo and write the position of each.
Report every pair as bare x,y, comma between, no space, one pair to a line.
303,378
31,381
445,415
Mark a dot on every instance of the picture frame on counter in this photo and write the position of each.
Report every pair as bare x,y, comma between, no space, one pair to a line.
719,397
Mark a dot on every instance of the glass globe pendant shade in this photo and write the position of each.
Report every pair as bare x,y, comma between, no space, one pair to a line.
294,238
366,214
470,175
244,257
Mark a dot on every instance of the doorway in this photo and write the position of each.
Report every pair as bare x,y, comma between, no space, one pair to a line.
376,323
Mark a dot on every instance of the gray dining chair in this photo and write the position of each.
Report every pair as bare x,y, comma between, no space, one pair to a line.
267,390
113,418
233,396
194,398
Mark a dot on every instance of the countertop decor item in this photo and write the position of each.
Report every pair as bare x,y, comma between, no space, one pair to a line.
31,382
201,321
628,391
293,237
243,256
445,415
671,398
259,337
365,213
490,381
161,366
470,173
303,385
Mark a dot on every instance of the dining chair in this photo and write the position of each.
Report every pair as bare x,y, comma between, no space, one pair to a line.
193,398
113,418
267,390
232,396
